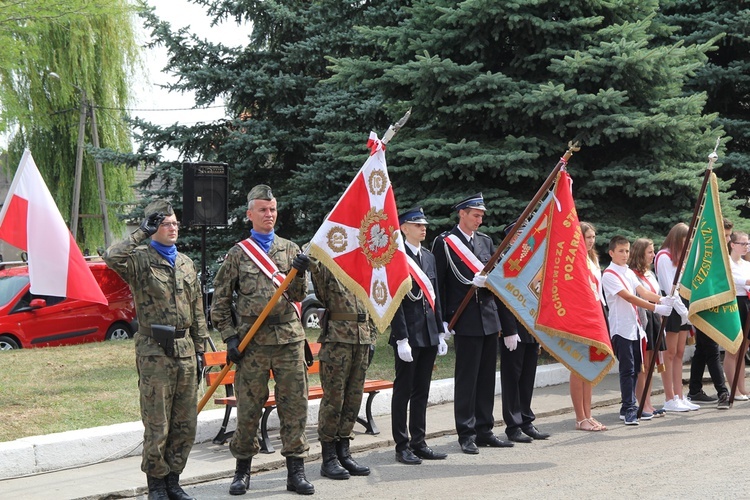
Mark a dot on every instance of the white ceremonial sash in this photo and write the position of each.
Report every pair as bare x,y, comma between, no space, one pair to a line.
463,252
422,281
268,267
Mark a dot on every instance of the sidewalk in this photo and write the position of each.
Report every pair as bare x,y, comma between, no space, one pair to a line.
123,478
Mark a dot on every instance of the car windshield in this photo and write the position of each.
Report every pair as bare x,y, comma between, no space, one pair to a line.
10,286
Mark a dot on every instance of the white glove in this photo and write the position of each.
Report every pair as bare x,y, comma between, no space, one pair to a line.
679,306
511,342
668,301
663,310
479,280
448,332
404,350
442,346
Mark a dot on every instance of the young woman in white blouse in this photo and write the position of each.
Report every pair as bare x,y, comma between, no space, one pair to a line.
738,247
580,389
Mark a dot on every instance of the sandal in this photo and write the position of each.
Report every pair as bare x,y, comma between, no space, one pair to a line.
601,426
587,425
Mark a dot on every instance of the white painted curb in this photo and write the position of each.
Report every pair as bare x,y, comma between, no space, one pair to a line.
36,454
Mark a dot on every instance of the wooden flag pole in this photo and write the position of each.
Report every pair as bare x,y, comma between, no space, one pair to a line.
683,255
249,336
572,147
740,357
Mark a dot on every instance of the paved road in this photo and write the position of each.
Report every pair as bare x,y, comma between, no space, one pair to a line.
678,456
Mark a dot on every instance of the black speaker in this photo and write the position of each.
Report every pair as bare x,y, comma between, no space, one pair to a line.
205,193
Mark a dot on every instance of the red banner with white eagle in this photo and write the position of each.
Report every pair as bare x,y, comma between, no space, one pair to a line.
360,241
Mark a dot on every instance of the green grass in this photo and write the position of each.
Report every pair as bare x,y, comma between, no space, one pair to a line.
57,389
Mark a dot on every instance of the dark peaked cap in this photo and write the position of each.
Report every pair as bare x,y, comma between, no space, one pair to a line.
473,201
413,215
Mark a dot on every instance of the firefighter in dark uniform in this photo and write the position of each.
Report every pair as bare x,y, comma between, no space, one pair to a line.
417,337
477,328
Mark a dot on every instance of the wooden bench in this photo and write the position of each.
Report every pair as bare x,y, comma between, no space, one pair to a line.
218,360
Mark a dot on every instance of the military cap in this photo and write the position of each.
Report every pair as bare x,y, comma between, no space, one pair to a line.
260,192
413,215
161,206
473,201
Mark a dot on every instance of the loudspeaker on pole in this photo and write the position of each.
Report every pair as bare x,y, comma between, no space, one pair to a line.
205,194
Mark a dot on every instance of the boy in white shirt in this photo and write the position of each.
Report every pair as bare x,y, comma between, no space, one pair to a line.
620,288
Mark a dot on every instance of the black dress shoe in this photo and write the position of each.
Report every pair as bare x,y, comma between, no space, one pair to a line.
407,457
533,432
469,447
517,436
493,442
427,453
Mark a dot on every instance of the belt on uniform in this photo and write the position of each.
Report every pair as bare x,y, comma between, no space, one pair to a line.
358,317
146,330
275,319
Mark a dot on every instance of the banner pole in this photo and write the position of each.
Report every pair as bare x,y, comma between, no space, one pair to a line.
572,147
249,336
683,254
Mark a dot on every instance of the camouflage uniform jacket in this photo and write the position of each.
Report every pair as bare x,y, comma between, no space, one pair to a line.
238,273
163,295
338,299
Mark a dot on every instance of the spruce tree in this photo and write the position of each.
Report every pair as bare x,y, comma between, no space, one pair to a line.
498,89
725,79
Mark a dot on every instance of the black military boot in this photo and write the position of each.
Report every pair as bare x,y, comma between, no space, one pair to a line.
331,466
174,490
345,457
157,488
241,481
295,478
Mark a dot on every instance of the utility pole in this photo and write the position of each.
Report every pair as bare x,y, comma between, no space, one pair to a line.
87,110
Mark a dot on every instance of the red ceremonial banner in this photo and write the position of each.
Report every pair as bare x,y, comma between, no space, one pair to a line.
567,306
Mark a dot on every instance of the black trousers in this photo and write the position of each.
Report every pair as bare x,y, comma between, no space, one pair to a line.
411,388
517,376
706,354
474,388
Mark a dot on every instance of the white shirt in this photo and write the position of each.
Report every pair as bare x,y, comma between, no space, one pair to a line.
596,274
665,271
416,250
740,275
623,320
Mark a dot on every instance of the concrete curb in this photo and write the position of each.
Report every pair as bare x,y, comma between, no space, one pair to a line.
46,453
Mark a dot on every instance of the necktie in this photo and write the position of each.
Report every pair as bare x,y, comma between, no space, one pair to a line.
418,258
471,243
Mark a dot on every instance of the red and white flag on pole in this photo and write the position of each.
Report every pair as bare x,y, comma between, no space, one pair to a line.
360,241
30,220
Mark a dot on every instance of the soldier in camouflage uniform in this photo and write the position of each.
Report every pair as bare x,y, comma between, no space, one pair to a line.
277,346
167,298
346,337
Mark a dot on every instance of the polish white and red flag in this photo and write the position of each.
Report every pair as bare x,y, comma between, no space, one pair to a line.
360,241
30,220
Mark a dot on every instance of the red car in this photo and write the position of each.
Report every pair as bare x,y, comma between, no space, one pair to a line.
28,320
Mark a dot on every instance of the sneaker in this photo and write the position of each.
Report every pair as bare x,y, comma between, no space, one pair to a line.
674,405
631,418
690,406
660,413
723,403
740,397
647,415
622,417
701,397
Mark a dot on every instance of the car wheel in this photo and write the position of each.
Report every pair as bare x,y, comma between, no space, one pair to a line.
310,318
118,331
7,343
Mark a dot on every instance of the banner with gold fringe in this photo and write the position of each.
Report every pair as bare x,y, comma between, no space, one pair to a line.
707,279
360,241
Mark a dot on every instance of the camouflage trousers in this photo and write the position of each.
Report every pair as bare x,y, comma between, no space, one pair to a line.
287,361
168,396
342,375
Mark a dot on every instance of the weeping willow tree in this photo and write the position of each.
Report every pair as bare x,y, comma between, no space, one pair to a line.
91,47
